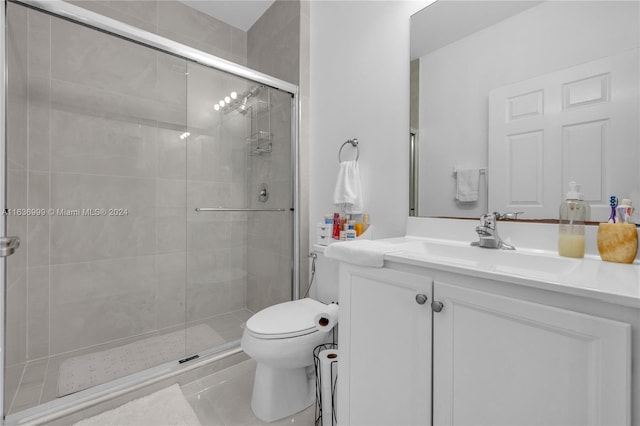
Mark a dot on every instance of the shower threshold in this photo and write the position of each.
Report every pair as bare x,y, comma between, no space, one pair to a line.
73,403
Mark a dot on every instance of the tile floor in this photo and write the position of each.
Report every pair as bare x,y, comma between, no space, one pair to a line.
224,399
36,382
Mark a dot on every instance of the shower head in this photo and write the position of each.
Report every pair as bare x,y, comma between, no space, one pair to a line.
241,102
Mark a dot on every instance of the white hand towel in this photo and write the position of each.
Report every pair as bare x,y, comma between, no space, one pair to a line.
348,192
467,183
361,252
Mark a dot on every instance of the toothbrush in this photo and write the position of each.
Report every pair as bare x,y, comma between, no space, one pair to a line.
613,202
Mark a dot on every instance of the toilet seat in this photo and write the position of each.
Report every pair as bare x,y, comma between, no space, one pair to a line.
284,320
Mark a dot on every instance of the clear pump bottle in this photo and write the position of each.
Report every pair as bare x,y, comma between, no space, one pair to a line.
574,212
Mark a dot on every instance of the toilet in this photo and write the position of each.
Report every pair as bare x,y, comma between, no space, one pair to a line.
281,339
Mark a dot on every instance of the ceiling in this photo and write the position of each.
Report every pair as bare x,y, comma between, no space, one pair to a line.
241,14
446,21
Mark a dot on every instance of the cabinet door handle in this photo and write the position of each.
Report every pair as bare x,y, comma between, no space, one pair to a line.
421,299
436,306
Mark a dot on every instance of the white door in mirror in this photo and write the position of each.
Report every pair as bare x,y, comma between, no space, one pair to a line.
569,125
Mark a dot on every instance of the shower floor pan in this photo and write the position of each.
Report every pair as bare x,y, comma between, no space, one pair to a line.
44,380
85,371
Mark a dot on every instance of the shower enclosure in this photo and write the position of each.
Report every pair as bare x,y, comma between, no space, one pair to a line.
152,187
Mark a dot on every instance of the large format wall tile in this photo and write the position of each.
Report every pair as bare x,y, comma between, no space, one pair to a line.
17,224
100,301
205,89
38,312
16,332
171,84
278,56
39,51
81,238
17,91
38,227
139,13
273,43
171,234
207,194
212,286
172,154
171,197
99,145
188,26
204,234
172,276
12,376
92,58
269,234
87,100
209,158
39,115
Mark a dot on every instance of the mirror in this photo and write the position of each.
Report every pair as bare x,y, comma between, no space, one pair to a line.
512,100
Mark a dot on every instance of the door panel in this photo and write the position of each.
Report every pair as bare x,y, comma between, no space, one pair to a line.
572,124
504,361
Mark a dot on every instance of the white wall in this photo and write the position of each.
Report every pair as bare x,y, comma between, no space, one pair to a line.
360,89
455,82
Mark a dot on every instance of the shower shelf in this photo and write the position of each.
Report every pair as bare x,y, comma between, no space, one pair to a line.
260,143
260,136
264,148
261,106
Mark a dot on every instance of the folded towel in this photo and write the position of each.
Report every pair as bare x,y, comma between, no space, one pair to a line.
467,183
361,252
348,193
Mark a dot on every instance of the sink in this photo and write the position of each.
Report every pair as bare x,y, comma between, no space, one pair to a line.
512,262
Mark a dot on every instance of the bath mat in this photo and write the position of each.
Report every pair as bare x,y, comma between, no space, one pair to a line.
85,371
163,408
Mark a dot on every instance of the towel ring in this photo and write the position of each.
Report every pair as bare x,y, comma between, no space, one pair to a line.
354,143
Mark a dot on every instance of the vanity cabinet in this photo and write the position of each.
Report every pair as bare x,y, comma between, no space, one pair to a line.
385,347
503,361
497,359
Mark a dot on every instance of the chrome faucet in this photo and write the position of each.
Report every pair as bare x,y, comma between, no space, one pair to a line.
488,231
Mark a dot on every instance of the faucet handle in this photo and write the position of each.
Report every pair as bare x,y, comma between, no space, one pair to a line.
508,215
488,220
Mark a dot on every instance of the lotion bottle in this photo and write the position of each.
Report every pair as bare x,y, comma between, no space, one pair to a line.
574,212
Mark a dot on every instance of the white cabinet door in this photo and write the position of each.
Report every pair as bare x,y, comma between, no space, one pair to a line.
503,361
384,372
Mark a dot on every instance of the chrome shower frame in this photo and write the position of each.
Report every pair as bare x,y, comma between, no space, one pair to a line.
73,403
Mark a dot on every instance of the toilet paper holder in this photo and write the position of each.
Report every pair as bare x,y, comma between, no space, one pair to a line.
325,359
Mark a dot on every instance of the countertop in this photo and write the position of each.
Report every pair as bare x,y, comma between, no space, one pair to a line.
443,244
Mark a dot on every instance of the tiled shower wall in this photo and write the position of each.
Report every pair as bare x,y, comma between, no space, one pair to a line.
62,124
269,233
273,47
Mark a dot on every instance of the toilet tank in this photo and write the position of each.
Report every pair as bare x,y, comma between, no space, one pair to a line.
325,285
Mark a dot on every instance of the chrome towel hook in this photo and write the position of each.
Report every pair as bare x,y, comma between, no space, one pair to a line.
354,143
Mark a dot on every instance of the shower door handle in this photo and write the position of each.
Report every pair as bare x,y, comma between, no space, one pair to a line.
8,245
225,209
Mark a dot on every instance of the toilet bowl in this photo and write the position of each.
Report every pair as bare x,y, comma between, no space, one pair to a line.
281,339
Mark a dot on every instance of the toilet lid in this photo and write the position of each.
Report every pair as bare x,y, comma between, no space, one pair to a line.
286,319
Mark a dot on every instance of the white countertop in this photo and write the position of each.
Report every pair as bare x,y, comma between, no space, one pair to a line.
589,277
535,263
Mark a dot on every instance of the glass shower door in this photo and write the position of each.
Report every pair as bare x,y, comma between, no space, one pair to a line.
239,202
154,200
96,175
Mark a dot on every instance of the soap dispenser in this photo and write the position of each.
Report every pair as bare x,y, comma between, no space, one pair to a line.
574,212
